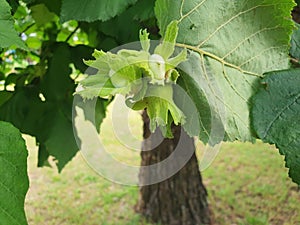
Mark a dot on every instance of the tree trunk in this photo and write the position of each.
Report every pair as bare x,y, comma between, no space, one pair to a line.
180,199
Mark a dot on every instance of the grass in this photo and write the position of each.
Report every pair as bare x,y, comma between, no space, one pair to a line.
247,185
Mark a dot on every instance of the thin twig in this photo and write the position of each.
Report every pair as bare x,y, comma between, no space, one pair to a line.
73,32
27,28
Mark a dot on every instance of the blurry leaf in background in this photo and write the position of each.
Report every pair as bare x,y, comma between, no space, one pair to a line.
92,10
128,23
14,4
8,35
5,96
39,84
41,14
53,5
78,53
143,10
57,83
60,142
49,121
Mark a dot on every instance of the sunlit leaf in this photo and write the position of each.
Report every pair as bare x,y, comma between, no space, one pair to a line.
235,43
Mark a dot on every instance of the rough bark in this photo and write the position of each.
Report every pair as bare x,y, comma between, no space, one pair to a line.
182,198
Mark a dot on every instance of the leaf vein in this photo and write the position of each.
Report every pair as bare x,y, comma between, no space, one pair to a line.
231,19
10,163
218,97
248,38
9,214
278,115
260,53
6,188
231,84
211,55
191,11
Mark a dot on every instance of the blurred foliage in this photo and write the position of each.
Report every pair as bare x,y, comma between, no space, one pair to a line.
37,81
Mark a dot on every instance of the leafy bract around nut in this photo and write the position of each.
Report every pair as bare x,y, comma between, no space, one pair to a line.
145,79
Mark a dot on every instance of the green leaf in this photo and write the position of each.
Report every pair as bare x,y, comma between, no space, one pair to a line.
93,108
295,43
61,142
78,53
33,43
41,14
20,110
43,156
8,35
57,84
53,6
143,10
195,105
14,181
128,23
167,47
50,121
14,4
92,10
5,96
26,111
236,42
144,38
125,28
275,116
